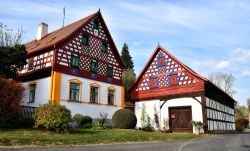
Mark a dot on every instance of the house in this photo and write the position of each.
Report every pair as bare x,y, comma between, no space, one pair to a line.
178,95
77,66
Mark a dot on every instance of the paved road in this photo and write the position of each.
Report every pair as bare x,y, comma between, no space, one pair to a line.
227,142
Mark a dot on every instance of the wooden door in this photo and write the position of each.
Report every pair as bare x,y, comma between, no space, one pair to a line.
180,119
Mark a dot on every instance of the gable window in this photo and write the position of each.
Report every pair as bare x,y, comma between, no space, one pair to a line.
75,61
74,93
104,46
173,79
30,65
93,65
153,82
109,71
85,40
96,23
161,61
32,93
94,94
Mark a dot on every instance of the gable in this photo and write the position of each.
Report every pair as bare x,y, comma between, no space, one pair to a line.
164,73
92,51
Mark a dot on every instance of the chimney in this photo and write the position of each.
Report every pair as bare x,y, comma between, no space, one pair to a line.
42,30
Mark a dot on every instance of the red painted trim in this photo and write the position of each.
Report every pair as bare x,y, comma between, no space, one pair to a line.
167,91
86,74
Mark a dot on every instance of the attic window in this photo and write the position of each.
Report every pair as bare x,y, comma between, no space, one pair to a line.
104,46
109,71
153,82
173,79
93,65
161,60
96,23
85,40
30,65
75,61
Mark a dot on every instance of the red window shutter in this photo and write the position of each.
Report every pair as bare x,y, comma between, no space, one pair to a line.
153,83
172,80
161,61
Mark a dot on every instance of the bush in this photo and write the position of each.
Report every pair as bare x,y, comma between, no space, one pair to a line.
26,123
11,93
241,123
53,117
83,120
124,119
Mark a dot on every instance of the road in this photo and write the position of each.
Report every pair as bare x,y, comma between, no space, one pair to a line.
226,142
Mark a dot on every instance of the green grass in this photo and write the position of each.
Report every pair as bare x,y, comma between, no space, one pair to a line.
84,136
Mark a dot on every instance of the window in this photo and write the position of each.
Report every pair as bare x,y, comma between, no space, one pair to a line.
173,79
32,93
104,46
161,61
96,23
93,65
30,65
153,82
94,94
111,97
85,40
74,93
109,71
75,61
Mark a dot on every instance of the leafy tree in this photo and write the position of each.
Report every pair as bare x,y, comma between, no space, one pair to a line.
244,110
128,78
12,53
11,93
223,81
127,59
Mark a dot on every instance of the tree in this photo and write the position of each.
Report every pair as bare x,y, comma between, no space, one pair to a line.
12,53
244,110
128,78
223,81
127,59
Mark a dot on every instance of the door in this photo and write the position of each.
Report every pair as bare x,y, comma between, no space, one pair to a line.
180,119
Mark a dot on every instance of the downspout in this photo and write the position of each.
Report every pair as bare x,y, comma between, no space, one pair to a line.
52,76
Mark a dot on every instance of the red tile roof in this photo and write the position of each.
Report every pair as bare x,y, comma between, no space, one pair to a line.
57,36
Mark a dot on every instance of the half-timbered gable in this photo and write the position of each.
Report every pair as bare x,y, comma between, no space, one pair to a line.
91,44
179,95
163,76
77,66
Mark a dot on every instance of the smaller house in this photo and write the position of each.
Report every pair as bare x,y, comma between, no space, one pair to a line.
179,95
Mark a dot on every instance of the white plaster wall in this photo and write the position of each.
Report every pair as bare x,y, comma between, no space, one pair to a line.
164,113
92,110
42,92
150,106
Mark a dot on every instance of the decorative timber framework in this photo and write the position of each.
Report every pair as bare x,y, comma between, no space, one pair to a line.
71,50
164,77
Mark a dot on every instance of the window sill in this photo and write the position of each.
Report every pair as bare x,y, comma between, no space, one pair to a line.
90,103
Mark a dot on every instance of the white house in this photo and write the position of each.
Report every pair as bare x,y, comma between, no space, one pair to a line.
77,66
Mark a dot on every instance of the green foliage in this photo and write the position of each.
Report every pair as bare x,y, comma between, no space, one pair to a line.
143,115
156,118
126,57
84,121
197,124
12,59
128,78
11,93
124,119
241,123
244,110
148,126
165,124
100,126
53,117
78,118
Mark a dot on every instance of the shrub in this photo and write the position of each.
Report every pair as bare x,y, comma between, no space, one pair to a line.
53,117
197,124
103,119
241,123
84,121
124,119
11,93
26,122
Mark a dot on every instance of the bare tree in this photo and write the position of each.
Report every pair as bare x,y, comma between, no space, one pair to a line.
10,38
223,81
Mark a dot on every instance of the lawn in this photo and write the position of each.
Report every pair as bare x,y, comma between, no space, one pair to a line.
84,136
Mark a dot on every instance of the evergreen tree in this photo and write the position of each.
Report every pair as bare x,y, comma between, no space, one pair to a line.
127,59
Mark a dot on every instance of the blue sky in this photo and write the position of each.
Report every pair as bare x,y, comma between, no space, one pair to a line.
207,35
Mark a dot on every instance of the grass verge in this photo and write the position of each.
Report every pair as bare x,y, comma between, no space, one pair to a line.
84,136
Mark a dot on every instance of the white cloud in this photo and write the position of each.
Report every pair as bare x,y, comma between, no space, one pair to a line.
245,73
241,56
137,43
222,65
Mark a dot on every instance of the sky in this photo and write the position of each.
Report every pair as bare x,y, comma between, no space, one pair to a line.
208,36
